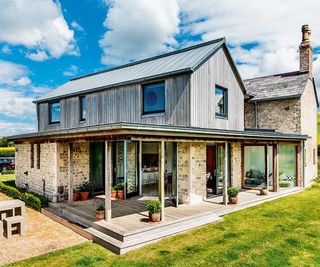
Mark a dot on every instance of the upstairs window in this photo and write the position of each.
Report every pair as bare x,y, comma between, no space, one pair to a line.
221,97
54,113
83,108
154,98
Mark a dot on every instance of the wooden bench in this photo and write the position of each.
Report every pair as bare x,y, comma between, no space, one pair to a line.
10,223
1,230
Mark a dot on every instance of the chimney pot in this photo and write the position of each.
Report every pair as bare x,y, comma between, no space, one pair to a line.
306,51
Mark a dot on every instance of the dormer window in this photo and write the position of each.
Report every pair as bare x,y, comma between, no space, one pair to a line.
83,108
154,98
221,102
54,113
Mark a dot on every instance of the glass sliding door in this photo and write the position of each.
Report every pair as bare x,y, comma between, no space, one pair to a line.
287,166
255,167
171,172
220,167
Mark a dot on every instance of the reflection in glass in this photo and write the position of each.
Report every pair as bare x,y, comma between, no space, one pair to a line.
287,166
254,167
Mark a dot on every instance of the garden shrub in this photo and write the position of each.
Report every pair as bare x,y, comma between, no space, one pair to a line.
7,151
6,172
33,200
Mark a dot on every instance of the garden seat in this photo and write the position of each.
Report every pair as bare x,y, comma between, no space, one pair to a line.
10,223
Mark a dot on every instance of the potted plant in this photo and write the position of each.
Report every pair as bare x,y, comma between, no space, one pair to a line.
75,196
154,208
114,192
100,211
85,189
233,195
120,189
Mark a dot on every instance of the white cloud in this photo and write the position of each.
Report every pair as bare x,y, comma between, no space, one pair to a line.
272,26
13,128
38,56
138,29
11,73
75,25
71,71
37,25
16,104
23,81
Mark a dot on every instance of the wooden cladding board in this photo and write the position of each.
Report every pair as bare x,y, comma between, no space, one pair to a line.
123,104
216,71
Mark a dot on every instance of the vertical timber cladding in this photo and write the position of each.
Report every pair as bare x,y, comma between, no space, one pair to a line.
192,172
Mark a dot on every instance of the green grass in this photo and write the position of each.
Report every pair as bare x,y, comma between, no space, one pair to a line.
6,177
283,232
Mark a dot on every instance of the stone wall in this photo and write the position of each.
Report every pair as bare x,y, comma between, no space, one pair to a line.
236,175
36,178
309,127
281,115
192,172
132,168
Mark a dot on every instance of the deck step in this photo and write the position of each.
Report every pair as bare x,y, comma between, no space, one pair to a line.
145,236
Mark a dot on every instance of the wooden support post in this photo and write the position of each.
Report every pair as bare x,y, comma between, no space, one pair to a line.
276,168
70,173
140,167
107,183
267,166
226,174
125,166
162,196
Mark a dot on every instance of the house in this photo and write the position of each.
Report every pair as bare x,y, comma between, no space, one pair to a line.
182,126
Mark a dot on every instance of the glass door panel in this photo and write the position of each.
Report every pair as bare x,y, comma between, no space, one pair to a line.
270,168
287,166
255,167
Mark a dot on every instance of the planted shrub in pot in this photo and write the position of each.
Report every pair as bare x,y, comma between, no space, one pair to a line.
100,211
114,192
120,189
154,208
85,190
75,194
233,193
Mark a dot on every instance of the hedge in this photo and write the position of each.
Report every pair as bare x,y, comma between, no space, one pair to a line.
33,200
7,151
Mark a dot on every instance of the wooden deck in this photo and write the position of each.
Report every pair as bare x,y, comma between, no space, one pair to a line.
129,227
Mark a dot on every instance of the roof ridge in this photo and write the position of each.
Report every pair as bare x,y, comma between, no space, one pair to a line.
222,39
279,74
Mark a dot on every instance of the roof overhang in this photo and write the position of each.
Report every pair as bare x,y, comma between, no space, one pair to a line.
155,131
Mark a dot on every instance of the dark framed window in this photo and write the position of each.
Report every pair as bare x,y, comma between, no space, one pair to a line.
54,113
221,101
38,156
32,156
154,98
83,108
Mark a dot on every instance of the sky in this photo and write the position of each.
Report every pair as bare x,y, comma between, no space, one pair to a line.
44,43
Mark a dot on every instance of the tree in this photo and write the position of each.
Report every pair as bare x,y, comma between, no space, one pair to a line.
4,142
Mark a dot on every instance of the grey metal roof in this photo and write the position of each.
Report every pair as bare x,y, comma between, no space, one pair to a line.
184,60
159,130
285,85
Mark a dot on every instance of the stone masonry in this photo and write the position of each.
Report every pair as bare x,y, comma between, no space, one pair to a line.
282,115
192,172
236,165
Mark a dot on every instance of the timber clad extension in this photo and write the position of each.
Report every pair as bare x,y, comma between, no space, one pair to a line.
181,126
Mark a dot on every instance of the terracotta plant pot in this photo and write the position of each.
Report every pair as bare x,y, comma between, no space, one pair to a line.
84,195
75,196
263,192
121,194
233,200
114,193
99,214
154,217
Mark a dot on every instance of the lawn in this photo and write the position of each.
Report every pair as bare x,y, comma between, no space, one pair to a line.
283,232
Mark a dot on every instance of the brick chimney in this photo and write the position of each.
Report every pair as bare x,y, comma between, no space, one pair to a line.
306,51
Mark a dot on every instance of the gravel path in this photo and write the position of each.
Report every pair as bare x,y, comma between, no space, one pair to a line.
42,235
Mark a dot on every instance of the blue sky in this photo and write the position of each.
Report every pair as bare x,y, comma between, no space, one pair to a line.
44,43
